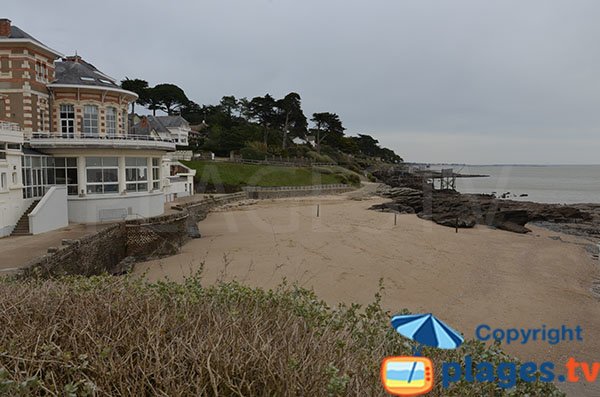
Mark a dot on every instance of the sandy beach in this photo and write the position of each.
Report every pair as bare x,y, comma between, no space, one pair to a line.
476,276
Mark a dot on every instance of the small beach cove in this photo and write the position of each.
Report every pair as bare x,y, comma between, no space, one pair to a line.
476,276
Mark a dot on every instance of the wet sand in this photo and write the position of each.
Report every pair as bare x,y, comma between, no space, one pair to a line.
478,276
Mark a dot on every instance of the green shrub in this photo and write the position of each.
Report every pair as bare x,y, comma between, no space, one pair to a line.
253,153
122,336
319,158
323,170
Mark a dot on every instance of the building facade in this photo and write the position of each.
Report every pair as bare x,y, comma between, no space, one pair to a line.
73,124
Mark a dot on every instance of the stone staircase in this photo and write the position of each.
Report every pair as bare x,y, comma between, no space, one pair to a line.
22,228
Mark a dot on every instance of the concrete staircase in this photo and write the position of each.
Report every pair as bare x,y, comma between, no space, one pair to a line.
22,228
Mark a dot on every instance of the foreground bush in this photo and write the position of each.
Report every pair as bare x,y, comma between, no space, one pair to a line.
106,336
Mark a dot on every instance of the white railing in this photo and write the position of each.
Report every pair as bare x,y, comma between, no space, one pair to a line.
9,126
128,137
285,188
82,140
291,163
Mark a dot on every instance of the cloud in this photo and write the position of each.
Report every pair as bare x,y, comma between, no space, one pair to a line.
436,81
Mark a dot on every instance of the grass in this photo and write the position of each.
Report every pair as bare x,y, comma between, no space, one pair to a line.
237,175
105,336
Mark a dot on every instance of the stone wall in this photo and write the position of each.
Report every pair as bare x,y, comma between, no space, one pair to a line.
156,237
115,248
91,255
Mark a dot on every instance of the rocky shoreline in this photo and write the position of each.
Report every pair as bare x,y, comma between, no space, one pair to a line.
453,209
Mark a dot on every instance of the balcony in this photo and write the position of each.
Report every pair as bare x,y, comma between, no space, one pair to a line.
84,141
10,132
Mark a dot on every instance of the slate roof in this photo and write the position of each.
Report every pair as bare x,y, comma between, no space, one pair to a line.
76,71
18,33
172,121
160,124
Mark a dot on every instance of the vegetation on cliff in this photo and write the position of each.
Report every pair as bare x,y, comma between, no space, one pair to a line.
264,126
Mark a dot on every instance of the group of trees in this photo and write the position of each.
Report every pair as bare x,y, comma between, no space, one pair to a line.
235,123
168,98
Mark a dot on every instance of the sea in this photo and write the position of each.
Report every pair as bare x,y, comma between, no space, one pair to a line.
562,184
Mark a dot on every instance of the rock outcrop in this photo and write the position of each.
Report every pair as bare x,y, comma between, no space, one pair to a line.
450,208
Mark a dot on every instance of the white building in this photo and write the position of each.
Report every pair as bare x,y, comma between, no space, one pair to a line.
66,149
173,127
12,204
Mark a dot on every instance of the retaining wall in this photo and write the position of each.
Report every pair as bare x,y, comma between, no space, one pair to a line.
259,193
114,248
91,255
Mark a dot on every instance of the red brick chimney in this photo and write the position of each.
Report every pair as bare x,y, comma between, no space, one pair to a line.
4,27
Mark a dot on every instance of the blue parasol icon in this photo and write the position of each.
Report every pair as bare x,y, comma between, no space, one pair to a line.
427,330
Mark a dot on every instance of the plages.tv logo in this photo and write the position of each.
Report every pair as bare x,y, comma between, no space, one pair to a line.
414,376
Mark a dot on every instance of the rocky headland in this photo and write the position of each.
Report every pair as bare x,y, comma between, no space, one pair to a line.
453,209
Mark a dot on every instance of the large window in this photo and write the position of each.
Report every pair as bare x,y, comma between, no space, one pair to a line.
63,173
67,121
155,174
102,175
90,120
35,174
136,171
111,121
2,151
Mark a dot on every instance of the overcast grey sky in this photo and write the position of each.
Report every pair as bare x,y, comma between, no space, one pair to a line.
504,81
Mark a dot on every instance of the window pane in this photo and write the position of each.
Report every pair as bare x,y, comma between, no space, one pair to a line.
61,178
93,161
72,176
112,188
50,176
72,162
94,175
131,187
142,174
130,161
72,190
130,175
94,189
110,161
142,187
111,175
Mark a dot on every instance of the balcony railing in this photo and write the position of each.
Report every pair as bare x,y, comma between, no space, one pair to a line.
44,140
8,126
10,133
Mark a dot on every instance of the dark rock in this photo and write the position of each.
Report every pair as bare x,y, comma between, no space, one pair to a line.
192,230
453,209
451,220
393,207
511,220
